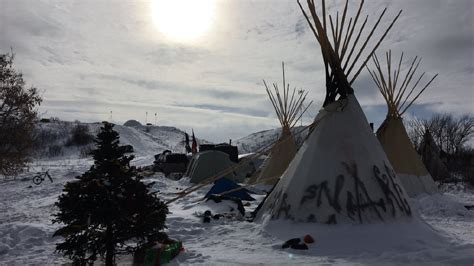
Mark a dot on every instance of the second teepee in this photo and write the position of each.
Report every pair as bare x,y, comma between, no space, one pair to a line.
392,134
288,108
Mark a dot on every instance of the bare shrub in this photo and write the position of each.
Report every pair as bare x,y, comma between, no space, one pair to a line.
80,136
55,150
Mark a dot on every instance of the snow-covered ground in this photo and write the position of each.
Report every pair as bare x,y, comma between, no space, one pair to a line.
442,235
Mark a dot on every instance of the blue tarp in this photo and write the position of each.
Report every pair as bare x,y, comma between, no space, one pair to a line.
222,185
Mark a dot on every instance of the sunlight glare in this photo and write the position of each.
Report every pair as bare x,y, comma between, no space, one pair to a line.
183,20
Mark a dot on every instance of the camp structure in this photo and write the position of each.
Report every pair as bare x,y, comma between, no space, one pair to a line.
207,164
289,108
229,149
400,92
132,123
431,157
227,188
340,175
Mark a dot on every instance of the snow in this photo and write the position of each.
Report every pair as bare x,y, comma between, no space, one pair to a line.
441,234
447,212
403,242
25,213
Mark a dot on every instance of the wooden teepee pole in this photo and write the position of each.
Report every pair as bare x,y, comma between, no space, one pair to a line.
338,66
396,96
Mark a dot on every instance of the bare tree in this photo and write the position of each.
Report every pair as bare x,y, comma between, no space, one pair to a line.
18,115
449,133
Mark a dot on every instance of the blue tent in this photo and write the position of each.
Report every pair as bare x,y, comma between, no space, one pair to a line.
223,184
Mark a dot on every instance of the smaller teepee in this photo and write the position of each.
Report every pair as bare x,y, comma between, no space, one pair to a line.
430,154
398,93
289,109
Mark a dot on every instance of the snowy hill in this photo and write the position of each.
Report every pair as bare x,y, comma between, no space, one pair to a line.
261,139
55,139
146,140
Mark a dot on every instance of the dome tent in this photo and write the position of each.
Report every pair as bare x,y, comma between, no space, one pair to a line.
132,123
229,189
208,163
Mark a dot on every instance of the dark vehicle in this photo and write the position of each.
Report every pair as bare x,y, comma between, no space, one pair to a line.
126,148
232,151
168,162
40,177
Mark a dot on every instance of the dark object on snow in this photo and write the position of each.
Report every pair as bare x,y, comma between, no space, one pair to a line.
126,149
469,207
40,177
168,162
223,184
300,246
218,199
207,217
294,243
291,242
308,239
232,151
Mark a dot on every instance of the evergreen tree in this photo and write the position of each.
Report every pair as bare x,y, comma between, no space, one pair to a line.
108,208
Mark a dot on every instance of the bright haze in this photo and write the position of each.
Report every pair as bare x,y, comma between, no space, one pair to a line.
200,64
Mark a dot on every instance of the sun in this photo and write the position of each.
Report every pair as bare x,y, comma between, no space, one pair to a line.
183,20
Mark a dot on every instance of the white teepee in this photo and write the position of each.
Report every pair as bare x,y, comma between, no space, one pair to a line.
392,134
288,108
340,174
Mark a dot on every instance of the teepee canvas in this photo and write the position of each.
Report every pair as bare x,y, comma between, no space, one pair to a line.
288,108
341,173
397,92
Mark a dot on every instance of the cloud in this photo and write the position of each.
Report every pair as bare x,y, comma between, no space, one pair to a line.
227,109
93,57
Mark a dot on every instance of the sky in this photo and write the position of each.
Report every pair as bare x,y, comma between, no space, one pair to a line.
201,66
